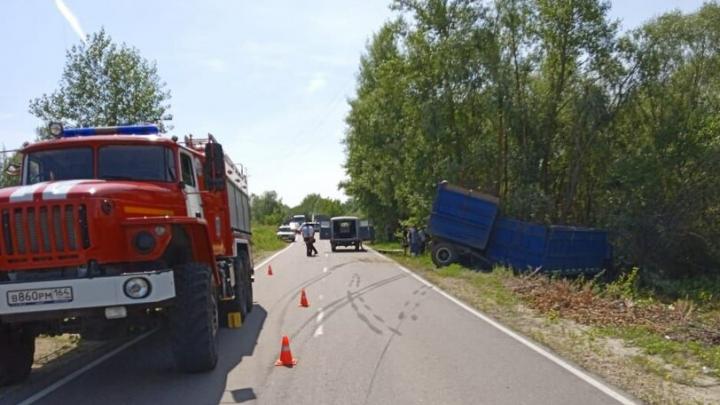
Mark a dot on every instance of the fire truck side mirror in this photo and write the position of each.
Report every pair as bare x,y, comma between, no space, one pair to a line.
13,169
214,167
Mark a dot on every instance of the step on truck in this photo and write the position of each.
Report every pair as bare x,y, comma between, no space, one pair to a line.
110,226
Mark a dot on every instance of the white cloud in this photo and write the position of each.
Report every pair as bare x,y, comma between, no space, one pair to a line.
316,83
216,65
70,18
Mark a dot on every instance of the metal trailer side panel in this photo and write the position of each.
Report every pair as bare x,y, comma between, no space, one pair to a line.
463,216
570,250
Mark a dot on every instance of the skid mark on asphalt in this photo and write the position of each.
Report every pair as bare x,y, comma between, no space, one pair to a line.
354,280
307,283
395,332
332,307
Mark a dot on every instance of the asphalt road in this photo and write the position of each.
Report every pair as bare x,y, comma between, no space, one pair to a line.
373,334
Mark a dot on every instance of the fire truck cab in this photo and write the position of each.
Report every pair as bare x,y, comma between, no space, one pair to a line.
115,224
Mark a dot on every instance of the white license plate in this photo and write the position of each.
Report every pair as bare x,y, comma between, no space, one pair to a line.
39,296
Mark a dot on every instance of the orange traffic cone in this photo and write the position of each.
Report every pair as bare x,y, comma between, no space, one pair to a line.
286,359
303,299
270,273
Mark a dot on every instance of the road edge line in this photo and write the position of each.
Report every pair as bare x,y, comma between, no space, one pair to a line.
601,386
68,378
276,254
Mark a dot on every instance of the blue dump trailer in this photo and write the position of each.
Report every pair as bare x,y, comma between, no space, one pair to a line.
467,225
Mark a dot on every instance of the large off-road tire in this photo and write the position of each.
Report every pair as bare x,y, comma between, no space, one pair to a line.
248,275
17,348
443,254
243,292
333,247
237,304
194,319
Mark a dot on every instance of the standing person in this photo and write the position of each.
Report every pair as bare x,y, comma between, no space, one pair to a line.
405,241
414,241
308,233
422,236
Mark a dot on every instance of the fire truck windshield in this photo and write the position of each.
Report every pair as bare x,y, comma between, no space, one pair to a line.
59,164
136,162
115,162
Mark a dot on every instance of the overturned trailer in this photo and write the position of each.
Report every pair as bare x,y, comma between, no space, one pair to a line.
465,224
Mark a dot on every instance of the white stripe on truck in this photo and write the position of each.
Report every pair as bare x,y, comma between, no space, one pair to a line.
25,193
59,190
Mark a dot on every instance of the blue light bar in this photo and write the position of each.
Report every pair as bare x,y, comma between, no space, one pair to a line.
121,130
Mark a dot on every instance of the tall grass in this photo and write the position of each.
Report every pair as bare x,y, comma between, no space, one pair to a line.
264,240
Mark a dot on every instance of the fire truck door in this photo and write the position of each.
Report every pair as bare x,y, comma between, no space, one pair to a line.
191,190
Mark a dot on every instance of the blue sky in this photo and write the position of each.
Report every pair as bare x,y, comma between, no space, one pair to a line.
269,78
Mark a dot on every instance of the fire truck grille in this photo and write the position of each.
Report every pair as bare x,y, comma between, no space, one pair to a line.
48,229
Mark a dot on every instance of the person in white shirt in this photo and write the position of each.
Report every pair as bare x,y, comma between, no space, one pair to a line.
308,233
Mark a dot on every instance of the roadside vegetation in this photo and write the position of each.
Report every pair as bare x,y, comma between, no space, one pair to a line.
269,209
264,240
661,348
550,107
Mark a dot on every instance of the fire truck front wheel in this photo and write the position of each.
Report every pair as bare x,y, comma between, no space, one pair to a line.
17,348
194,319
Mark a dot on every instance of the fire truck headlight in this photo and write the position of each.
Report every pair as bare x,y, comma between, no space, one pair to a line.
144,242
137,288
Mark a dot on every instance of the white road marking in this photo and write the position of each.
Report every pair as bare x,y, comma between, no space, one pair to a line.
266,261
319,331
324,269
57,384
326,255
320,316
609,391
320,297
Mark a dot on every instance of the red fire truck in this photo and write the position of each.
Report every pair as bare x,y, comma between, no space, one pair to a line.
117,223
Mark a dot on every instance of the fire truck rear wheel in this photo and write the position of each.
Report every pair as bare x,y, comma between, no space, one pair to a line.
194,321
17,348
248,282
238,304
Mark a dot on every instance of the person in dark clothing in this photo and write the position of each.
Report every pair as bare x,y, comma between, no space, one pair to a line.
422,236
414,239
308,233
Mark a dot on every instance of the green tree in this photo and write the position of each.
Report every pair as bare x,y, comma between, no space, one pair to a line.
268,208
315,204
105,84
543,104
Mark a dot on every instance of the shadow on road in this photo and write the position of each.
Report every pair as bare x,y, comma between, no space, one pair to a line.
348,250
149,369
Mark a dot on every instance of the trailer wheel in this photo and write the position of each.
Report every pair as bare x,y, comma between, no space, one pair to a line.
443,254
194,319
357,246
17,348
